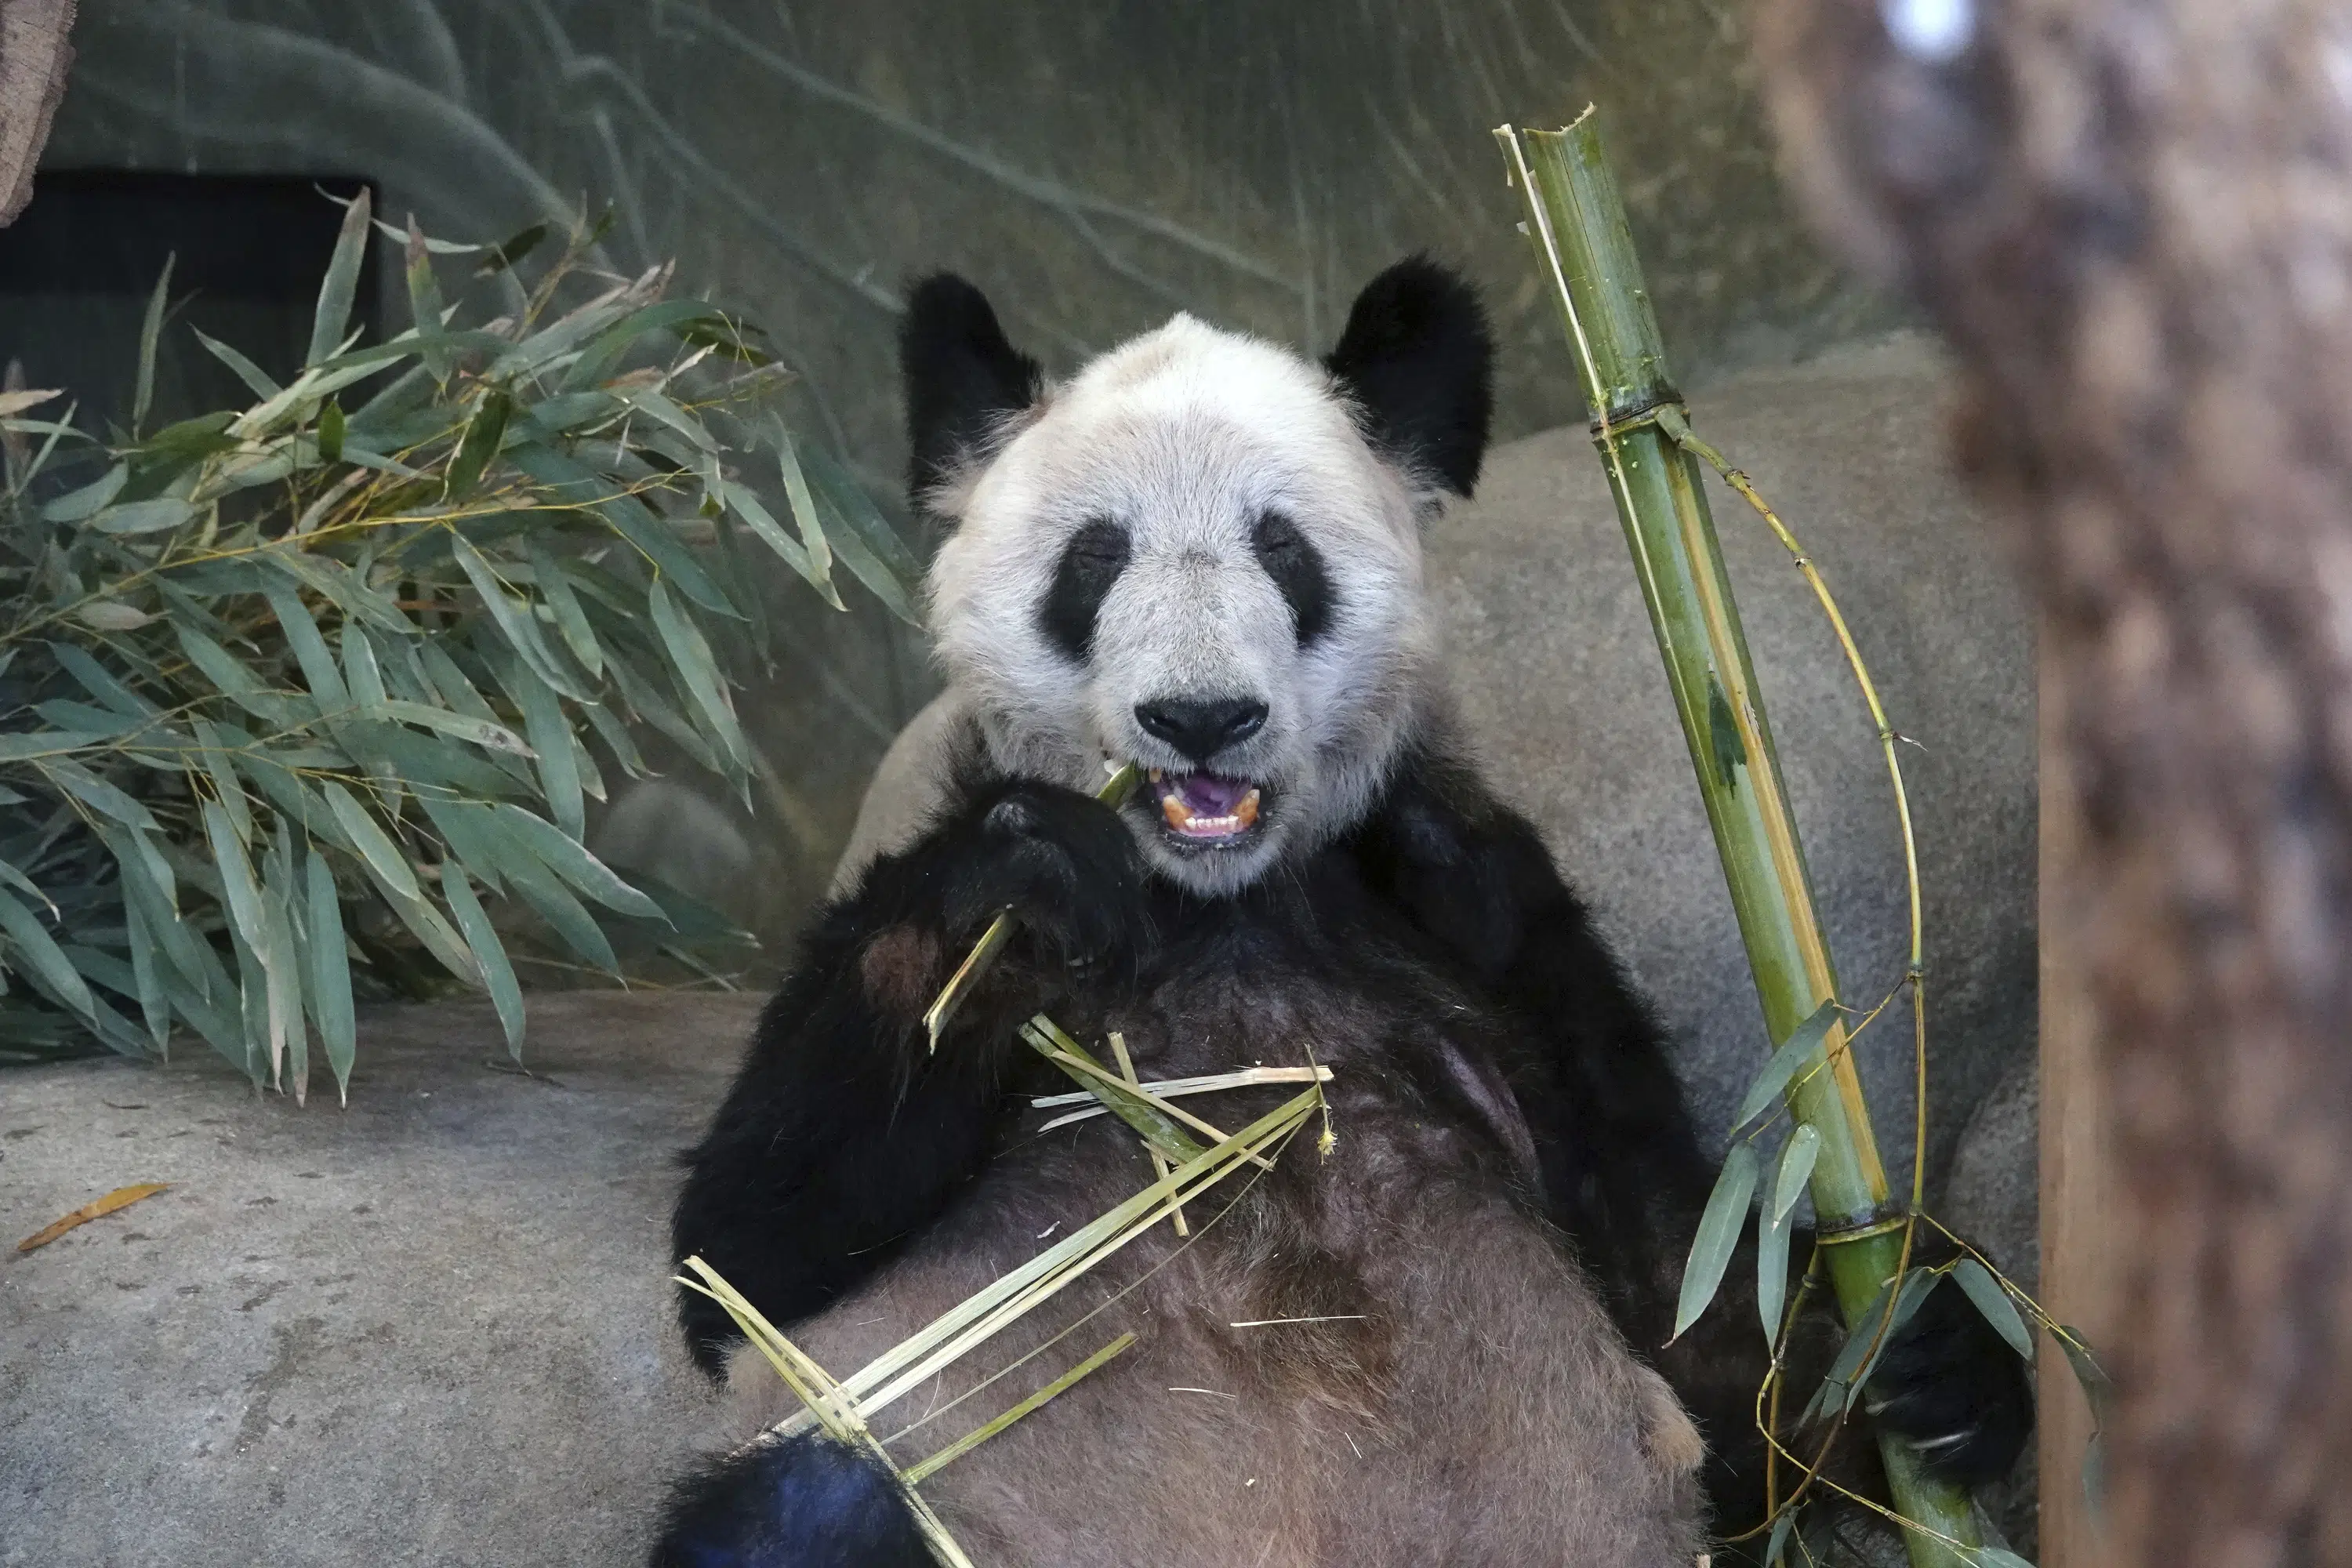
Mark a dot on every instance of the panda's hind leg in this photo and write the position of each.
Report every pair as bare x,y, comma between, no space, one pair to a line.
802,1501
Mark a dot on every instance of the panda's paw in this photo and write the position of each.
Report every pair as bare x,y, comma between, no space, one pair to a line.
1064,863
787,1503
1952,1385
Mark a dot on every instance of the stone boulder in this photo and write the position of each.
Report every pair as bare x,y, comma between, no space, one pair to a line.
433,1328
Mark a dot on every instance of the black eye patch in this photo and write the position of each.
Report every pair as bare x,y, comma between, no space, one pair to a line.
1297,568
1090,564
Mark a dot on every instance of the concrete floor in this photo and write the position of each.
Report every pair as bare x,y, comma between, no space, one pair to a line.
428,1329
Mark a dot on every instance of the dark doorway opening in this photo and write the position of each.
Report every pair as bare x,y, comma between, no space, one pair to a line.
77,268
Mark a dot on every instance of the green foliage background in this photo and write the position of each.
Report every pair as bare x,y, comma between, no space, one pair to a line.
304,701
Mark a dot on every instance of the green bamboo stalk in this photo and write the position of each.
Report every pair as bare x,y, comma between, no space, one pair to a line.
1576,222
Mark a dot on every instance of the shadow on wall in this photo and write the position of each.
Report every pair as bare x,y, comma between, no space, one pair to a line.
1096,168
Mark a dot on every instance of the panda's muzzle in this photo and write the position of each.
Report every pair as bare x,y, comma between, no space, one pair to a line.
1202,806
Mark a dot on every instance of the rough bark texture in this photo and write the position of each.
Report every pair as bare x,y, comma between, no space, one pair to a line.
2131,217
33,56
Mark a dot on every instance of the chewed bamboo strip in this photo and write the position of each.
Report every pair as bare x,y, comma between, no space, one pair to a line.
1114,792
1161,1163
979,1435
973,1322
1151,1123
1176,1088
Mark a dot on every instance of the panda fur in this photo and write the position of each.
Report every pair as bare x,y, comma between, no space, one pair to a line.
1202,555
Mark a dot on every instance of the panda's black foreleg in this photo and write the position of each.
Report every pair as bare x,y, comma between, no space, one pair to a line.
1623,1171
843,1132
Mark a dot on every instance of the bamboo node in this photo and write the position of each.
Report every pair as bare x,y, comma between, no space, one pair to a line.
1840,1235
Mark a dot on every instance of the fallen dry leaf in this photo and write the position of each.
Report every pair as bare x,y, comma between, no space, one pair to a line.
119,1198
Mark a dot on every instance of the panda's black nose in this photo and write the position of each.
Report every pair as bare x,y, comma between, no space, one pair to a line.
1201,729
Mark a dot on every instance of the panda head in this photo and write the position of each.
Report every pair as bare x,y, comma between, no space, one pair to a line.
1202,554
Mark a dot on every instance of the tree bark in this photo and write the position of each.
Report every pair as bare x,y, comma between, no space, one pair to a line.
33,58
2133,218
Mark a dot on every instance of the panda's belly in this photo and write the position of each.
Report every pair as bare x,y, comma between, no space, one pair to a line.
1370,1355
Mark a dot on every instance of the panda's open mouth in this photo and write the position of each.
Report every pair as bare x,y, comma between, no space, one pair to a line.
1206,808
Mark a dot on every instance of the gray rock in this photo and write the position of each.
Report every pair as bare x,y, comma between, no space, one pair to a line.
1557,674
430,1329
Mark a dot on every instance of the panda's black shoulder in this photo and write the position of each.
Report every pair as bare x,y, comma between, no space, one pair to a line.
1441,842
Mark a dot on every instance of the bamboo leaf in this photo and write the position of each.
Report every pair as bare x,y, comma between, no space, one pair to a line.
213,752
151,334
154,1007
864,542
331,433
746,506
252,374
383,855
805,514
155,516
99,794
1993,1301
2096,1387
490,953
513,620
288,1040
484,733
318,668
110,615
550,740
95,678
76,504
340,285
697,669
570,860
237,889
1796,1160
32,951
513,249
570,620
629,516
479,444
1802,1042
570,920
362,675
1776,1548
330,971
1719,1235
1777,1223
645,400
424,304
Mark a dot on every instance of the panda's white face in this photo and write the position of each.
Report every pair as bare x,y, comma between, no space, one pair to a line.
1189,558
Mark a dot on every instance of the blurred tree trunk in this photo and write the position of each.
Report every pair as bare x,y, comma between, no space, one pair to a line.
2134,220
34,56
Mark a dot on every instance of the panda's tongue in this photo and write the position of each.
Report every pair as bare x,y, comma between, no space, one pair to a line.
1206,805
1210,794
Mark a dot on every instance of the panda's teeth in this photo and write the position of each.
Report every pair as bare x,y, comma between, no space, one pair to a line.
1245,814
1156,775
1178,813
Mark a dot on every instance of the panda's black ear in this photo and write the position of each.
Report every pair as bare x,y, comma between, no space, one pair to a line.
962,377
1417,359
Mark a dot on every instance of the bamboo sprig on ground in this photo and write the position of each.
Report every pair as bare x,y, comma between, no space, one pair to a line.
1577,226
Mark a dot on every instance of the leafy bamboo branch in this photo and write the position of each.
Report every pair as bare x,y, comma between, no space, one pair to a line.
303,697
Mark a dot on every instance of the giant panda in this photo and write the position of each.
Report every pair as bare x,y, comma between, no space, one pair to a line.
1444,1339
